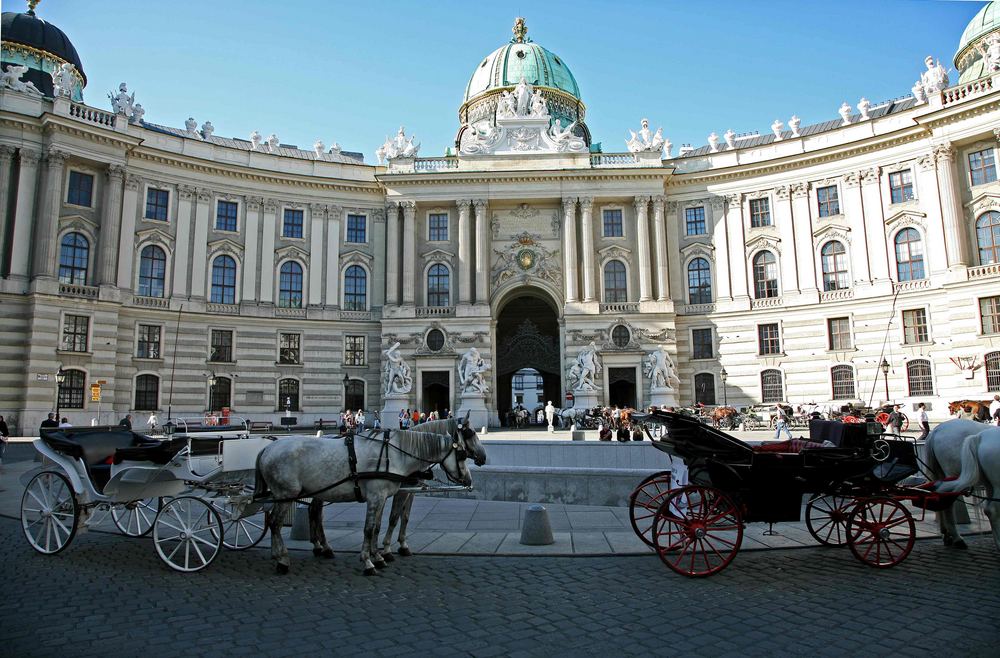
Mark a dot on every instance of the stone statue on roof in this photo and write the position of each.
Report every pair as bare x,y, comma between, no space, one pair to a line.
122,102
63,79
935,78
11,79
645,140
522,98
990,50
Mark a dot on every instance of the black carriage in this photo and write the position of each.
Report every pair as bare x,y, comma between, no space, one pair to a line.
852,472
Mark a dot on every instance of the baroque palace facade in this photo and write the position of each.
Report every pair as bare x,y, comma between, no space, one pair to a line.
187,272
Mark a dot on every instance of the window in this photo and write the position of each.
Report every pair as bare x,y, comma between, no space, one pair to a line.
915,326
290,285
437,227
704,388
81,189
771,388
829,202
989,314
226,216
157,204
354,350
615,286
223,280
843,382
768,339
982,167
993,372
289,348
694,221
222,346
839,330
701,344
288,394
901,186
613,223
356,228
833,258
621,336
435,340
147,393
909,255
699,282
74,338
438,285
765,275
71,390
355,395
74,255
148,345
152,271
292,226
220,394
355,288
918,377
760,212
988,237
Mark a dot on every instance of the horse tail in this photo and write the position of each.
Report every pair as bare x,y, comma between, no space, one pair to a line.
970,467
260,488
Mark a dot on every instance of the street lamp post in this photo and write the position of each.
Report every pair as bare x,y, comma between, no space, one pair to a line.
211,391
60,380
725,397
885,374
347,380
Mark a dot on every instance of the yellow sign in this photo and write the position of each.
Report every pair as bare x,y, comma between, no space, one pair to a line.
95,392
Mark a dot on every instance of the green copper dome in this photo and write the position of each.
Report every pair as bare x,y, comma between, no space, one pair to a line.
968,60
521,58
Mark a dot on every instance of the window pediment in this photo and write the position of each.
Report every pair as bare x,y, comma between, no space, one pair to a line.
761,242
698,249
155,236
439,256
833,231
905,218
292,251
355,256
79,223
983,202
614,252
225,244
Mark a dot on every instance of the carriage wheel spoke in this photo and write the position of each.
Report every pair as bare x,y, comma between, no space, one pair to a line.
194,544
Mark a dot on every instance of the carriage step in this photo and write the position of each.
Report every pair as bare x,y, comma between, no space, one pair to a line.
537,530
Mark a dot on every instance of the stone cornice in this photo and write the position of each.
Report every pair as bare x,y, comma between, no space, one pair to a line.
527,176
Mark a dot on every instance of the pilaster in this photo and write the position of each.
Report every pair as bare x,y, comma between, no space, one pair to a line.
871,199
267,251
857,251
334,216
951,206
251,246
6,158
391,254
796,197
720,240
199,251
45,248
482,252
464,253
409,251
587,240
660,236
935,255
24,211
641,204
182,248
569,248
111,227
317,218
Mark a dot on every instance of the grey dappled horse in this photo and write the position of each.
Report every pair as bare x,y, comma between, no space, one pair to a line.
970,451
306,467
402,501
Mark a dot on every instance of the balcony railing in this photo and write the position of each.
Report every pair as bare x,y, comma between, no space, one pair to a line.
92,115
613,160
289,312
961,92
224,309
435,164
75,290
906,286
620,307
355,315
836,295
765,302
697,309
435,311
984,271
152,302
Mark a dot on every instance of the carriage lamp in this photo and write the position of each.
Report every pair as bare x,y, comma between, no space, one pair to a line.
725,398
60,380
885,374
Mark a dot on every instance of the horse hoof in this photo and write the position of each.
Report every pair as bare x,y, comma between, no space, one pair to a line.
282,569
317,552
960,543
388,557
405,552
370,571
327,553
948,541
380,564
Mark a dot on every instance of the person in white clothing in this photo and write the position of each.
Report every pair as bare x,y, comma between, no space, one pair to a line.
359,419
925,426
995,410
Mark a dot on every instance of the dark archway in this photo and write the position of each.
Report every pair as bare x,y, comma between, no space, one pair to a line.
527,336
621,387
436,392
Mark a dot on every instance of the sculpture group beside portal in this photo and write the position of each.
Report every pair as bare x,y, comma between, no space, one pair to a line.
396,378
472,369
663,379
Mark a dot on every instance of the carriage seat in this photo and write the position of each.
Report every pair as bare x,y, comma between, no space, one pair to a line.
160,452
792,446
95,447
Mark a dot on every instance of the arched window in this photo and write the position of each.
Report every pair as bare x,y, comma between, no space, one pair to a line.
355,394
152,272
988,237
74,254
147,393
704,388
71,390
290,285
771,387
220,394
765,275
909,255
834,261
288,394
223,280
699,282
615,283
992,372
355,288
438,286
843,382
919,378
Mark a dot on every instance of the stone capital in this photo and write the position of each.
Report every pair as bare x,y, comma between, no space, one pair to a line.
717,202
734,200
996,133
569,202
672,206
870,175
852,179
378,215
132,182
204,195
254,203
408,204
116,172
6,153
186,192
318,210
334,212
480,204
782,192
55,158
586,203
29,157
799,190
659,198
463,204
925,162
270,205
943,153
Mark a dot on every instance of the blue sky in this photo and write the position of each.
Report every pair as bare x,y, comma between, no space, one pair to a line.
352,72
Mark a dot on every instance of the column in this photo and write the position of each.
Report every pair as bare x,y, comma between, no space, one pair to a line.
858,249
720,239
126,229
6,157
569,247
333,215
378,247
735,239
267,251
951,206
660,236
111,233
391,253
587,247
464,253
641,204
46,226
871,200
317,218
182,250
24,211
797,196
482,253
199,252
782,217
251,247
936,256
676,277
409,251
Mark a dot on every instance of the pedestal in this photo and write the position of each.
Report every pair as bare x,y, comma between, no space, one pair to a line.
391,406
663,397
586,399
475,405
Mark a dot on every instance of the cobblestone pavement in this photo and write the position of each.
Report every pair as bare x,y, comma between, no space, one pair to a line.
108,594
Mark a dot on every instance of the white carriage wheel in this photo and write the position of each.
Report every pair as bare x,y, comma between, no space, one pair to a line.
49,513
239,533
135,518
187,534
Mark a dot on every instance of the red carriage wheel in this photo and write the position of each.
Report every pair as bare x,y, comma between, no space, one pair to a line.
826,518
882,418
698,531
881,532
645,500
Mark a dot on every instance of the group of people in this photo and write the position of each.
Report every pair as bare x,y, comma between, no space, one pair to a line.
410,417
358,420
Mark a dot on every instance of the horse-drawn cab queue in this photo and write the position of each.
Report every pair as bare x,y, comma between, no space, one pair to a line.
204,487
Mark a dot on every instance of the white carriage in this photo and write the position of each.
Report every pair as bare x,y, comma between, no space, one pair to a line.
193,490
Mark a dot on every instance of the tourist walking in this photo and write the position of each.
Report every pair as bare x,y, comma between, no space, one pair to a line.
376,420
359,419
781,424
925,426
126,421
4,433
49,422
896,420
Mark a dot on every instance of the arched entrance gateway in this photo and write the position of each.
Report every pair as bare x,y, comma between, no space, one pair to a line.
527,336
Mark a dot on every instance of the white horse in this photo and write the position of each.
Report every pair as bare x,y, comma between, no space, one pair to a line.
970,451
293,468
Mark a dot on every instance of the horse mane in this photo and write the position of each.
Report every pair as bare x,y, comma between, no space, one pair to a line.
422,444
447,426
